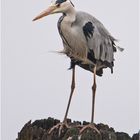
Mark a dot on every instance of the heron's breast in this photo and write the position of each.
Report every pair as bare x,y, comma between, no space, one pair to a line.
74,40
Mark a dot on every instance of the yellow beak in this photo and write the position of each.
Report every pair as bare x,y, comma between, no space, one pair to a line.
46,12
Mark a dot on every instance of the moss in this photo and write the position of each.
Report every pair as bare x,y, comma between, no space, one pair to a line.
73,133
39,129
91,135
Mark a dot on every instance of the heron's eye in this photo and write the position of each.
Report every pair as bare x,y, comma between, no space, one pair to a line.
58,5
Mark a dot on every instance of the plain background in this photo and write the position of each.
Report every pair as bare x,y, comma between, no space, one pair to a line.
36,82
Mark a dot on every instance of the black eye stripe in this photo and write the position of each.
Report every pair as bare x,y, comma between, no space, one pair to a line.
60,1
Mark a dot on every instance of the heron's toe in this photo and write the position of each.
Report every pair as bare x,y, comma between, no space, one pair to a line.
59,127
91,127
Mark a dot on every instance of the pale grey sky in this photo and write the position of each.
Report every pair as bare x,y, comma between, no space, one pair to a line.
36,82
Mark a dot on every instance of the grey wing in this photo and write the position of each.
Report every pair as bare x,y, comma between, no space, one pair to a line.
99,41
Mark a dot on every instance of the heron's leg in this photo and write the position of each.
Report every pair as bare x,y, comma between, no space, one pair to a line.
71,93
64,123
91,125
93,95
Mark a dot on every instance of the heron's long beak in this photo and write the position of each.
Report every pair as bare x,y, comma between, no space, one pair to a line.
47,12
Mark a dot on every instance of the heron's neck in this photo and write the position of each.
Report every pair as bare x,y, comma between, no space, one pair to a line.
70,15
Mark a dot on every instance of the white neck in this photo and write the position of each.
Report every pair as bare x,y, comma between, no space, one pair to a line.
70,15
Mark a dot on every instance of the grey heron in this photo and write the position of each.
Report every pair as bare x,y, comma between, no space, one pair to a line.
86,42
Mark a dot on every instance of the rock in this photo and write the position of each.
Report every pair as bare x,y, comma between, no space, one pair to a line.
123,136
136,136
39,129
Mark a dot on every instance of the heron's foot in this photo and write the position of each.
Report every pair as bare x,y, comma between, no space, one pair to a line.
90,126
59,127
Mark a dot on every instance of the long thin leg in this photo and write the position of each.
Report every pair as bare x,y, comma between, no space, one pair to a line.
91,125
64,123
71,93
93,95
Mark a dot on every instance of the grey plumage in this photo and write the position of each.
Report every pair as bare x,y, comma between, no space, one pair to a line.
97,50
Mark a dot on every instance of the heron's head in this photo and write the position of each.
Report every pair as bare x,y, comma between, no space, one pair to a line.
56,6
